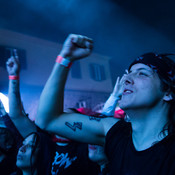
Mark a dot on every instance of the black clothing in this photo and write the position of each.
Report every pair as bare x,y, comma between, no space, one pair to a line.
10,125
67,160
8,165
124,159
72,159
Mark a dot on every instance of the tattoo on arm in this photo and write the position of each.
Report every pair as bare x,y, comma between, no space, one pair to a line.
74,126
94,118
14,90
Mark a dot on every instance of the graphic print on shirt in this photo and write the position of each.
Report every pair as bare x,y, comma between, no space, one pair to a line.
61,161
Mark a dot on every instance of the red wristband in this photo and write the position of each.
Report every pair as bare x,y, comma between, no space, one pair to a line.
13,77
63,61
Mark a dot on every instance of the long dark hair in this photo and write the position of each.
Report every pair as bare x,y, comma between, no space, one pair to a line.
168,86
43,149
36,149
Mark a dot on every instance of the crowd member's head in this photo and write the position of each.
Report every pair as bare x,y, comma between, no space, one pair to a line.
161,83
33,157
146,98
97,155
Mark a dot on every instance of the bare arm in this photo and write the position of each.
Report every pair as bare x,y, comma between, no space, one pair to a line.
50,114
111,103
16,111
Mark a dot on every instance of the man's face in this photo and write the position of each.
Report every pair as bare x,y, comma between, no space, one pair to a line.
141,88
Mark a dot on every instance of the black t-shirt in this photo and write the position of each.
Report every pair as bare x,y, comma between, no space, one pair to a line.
72,159
124,159
8,165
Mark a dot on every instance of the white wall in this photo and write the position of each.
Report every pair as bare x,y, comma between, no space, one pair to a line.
41,55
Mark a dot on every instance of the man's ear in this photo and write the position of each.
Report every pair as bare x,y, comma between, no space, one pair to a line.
167,96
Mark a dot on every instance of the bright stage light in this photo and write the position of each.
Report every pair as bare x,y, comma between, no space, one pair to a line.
5,102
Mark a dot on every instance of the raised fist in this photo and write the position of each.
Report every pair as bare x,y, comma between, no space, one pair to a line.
13,66
76,47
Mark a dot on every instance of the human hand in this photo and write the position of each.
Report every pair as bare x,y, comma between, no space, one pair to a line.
13,66
118,88
76,47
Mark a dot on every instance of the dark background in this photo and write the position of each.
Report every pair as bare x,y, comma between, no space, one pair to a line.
108,22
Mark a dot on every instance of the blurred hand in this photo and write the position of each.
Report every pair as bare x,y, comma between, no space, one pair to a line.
118,88
76,47
13,66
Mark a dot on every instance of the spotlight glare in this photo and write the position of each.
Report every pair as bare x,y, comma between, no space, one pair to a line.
5,102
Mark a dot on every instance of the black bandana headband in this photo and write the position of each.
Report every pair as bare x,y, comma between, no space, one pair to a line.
161,65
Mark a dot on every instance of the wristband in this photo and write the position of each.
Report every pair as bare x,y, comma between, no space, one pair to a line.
13,77
63,61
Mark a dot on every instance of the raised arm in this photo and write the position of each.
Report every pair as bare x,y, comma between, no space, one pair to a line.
50,114
16,111
111,103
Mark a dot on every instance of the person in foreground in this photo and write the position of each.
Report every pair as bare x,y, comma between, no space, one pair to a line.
146,144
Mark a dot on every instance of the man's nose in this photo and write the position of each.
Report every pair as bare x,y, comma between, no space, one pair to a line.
129,79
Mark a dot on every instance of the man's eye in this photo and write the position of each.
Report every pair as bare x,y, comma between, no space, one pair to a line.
142,73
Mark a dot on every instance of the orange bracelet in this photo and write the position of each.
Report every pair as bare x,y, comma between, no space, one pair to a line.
13,77
63,61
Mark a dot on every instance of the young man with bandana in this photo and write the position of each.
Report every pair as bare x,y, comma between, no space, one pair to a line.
146,144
